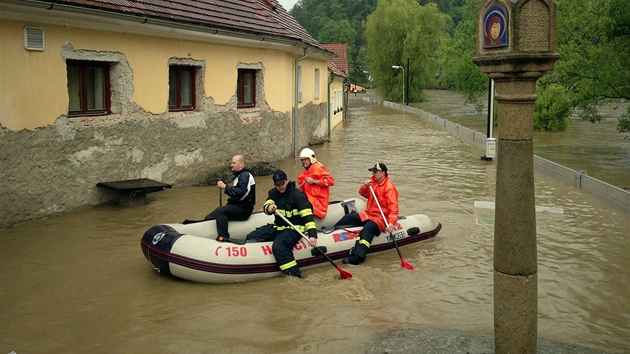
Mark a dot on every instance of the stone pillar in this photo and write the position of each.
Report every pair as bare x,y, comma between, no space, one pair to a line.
516,45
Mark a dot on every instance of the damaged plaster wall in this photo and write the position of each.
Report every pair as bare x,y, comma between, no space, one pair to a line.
55,169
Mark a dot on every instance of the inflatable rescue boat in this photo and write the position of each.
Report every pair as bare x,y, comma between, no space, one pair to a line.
190,251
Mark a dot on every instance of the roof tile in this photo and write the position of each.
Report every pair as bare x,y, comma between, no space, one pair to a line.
255,17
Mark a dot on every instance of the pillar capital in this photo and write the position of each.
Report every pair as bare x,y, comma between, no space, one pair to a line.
516,38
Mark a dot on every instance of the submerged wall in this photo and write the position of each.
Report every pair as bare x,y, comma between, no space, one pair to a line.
56,168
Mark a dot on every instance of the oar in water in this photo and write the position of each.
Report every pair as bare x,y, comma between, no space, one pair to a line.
343,273
403,264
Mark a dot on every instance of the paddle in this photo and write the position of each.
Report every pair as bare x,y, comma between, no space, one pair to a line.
342,273
196,221
403,263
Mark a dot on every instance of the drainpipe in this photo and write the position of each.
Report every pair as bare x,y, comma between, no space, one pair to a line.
332,78
296,107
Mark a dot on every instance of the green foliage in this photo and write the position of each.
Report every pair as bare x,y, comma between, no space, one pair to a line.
593,38
401,32
552,109
337,21
594,41
459,73
319,18
623,125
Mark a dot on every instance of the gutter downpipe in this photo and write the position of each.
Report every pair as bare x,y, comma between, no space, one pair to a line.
296,107
332,78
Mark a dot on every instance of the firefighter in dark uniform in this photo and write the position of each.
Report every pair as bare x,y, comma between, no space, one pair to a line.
293,204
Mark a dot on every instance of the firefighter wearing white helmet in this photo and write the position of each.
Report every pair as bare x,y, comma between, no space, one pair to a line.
307,153
315,181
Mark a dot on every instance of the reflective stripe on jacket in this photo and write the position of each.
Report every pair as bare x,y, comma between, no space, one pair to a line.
243,192
318,194
387,195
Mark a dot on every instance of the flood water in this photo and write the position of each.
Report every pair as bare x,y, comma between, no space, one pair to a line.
597,148
80,283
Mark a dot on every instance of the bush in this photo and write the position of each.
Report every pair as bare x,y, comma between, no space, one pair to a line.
552,110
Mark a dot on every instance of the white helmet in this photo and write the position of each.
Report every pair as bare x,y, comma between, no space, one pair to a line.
308,154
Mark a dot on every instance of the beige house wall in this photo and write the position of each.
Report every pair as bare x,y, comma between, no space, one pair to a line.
33,85
51,163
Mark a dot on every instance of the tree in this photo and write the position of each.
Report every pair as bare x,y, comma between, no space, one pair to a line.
593,38
594,41
552,109
336,21
399,30
458,72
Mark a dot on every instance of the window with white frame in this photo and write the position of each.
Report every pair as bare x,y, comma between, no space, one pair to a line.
316,95
299,83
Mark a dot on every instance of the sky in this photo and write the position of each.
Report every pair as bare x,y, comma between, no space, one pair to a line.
287,4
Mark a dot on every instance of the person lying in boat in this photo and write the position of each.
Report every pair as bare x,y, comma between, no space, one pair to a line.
241,198
371,218
292,203
315,181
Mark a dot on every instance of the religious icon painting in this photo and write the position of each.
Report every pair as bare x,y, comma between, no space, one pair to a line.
495,27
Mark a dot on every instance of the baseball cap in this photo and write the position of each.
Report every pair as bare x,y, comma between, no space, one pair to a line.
279,177
378,167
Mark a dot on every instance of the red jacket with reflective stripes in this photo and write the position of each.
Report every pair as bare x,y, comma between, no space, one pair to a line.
387,196
318,194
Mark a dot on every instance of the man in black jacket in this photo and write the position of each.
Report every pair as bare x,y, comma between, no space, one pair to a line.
293,204
241,198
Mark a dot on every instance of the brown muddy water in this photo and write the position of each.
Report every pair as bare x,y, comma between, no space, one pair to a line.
80,283
596,148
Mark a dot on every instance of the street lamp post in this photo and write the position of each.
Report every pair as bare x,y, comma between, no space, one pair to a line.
403,71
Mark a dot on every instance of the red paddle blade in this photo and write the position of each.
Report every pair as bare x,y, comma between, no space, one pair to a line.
405,265
344,274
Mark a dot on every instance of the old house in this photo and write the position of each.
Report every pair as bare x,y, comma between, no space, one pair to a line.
104,90
338,65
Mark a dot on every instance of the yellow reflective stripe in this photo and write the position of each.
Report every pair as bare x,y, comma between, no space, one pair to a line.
293,263
268,203
299,227
310,225
306,212
291,213
364,242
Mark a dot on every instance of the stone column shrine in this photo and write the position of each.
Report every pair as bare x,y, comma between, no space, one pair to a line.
516,44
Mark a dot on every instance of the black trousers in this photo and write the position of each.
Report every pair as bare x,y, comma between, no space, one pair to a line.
282,249
226,213
370,229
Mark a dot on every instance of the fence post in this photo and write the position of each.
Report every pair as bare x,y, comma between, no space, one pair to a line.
578,177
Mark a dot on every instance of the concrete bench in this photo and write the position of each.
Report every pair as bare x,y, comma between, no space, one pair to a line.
133,192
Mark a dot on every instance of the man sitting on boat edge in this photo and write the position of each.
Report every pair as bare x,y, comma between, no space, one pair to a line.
381,187
241,201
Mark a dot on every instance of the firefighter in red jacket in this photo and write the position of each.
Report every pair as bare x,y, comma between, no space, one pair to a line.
315,182
371,218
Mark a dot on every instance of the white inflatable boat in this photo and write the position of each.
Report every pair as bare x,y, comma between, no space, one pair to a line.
190,251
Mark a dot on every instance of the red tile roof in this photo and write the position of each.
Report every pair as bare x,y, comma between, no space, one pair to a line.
254,17
336,69
341,60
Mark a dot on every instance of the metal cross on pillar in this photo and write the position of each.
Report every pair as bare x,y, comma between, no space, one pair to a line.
516,44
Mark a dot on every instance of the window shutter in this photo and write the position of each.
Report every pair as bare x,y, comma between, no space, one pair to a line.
34,38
